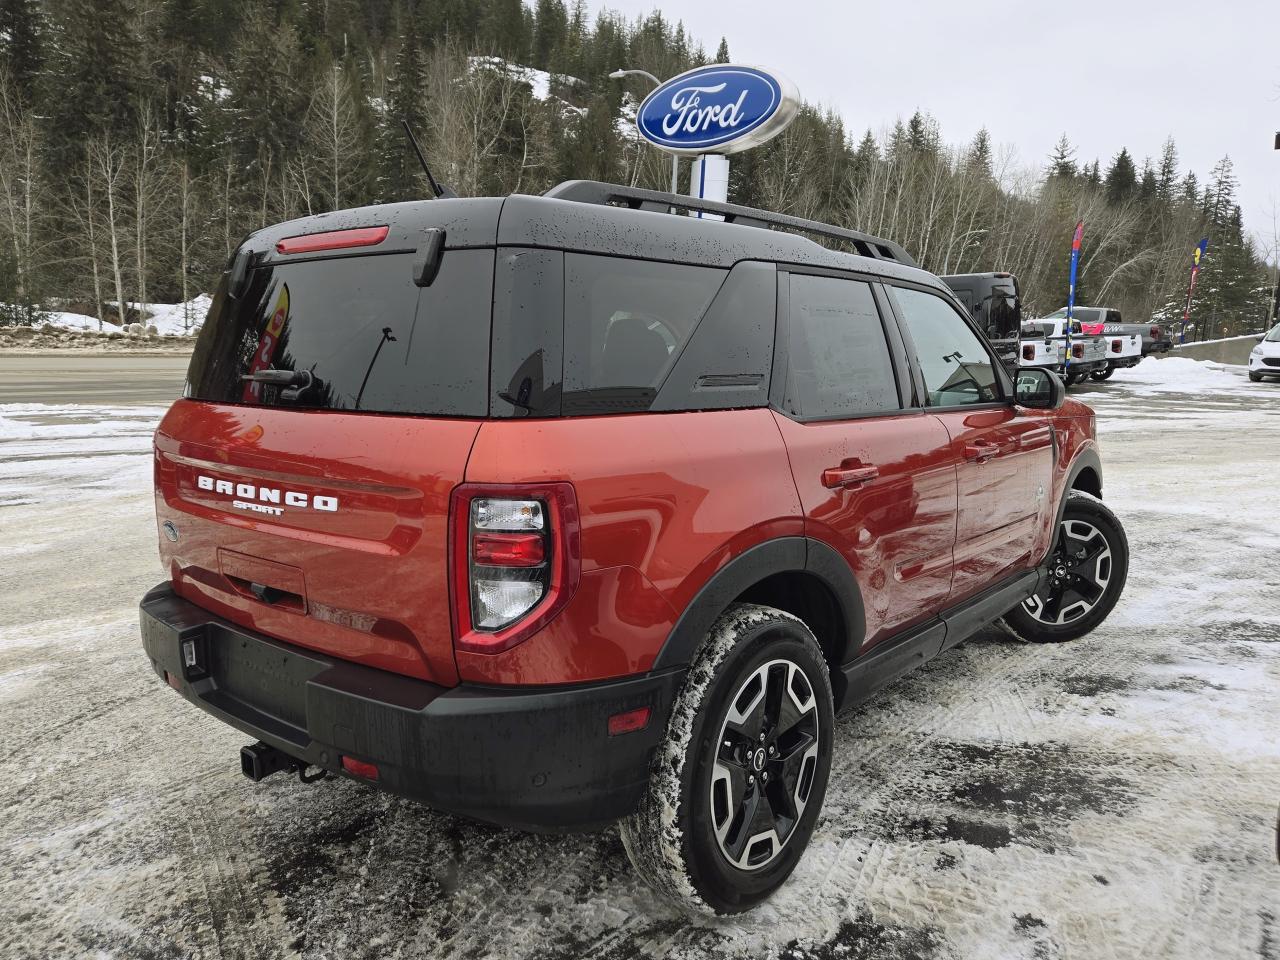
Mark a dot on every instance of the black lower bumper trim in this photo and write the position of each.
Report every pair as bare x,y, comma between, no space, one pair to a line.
533,758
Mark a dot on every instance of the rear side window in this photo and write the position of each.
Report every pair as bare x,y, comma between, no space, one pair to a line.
956,367
357,333
838,359
625,323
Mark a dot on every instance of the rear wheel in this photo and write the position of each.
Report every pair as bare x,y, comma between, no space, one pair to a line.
739,781
1100,375
1087,571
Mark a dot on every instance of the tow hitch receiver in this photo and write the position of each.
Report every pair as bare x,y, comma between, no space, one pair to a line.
261,760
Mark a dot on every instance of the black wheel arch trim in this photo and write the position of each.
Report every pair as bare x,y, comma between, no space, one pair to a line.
1086,459
780,555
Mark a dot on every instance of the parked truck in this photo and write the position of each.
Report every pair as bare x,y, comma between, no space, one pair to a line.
1045,343
1155,338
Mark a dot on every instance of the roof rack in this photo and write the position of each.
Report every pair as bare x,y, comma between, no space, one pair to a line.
636,198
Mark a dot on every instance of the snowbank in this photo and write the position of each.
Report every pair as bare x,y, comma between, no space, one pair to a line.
167,318
1184,375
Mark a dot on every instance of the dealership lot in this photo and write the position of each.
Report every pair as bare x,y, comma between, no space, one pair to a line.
1111,797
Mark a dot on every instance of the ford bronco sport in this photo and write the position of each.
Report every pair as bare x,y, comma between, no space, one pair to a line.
558,511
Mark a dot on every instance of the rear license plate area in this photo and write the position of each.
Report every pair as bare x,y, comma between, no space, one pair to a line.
261,675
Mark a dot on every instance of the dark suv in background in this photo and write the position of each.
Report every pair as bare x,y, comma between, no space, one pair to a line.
557,511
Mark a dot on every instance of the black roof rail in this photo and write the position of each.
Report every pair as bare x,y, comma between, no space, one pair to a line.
636,198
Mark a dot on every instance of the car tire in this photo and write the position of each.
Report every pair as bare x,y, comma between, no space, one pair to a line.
1088,565
1100,375
700,836
1255,377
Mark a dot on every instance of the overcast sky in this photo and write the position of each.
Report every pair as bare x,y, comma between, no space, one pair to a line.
1108,74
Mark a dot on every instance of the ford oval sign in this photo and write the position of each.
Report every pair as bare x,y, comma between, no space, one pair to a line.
722,108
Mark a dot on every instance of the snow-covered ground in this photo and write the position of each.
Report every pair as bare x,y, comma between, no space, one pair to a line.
169,319
1109,798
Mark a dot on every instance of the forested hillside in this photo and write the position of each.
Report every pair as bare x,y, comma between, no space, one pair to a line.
141,139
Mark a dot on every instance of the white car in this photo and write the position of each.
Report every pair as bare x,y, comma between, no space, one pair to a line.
1264,360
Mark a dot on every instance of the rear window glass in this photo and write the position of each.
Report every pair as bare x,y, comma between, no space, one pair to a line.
839,364
625,323
357,334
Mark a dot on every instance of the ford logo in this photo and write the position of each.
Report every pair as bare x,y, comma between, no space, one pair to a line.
722,108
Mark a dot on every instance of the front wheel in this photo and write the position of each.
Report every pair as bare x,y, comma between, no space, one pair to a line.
1254,376
1100,375
736,786
1087,571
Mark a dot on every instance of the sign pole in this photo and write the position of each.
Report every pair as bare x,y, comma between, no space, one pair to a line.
710,181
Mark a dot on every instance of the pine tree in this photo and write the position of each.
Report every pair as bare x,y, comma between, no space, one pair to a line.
92,79
550,31
1121,181
1062,161
20,44
406,90
978,157
722,52
1166,177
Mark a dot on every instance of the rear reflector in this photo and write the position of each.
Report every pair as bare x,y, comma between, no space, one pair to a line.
173,681
333,240
508,549
359,768
629,722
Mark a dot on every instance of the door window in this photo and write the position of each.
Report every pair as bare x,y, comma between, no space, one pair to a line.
957,369
839,364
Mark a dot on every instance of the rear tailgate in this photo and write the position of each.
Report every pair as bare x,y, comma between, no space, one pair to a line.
313,507
354,563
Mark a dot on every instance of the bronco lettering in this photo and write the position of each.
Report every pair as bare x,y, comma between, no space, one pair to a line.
247,492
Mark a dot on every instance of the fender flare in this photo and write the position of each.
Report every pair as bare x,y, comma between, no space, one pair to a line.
1086,459
781,555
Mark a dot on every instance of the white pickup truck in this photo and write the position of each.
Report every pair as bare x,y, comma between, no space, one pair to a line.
1123,349
1044,344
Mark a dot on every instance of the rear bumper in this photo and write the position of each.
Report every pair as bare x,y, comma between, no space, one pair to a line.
533,758
1156,346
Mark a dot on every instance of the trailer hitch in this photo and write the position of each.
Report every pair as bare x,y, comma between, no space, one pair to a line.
260,760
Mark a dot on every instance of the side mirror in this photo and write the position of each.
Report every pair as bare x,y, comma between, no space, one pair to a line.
1039,389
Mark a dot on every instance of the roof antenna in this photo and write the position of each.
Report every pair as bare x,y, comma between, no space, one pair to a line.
441,191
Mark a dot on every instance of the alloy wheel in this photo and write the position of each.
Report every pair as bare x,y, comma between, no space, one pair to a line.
1079,572
766,757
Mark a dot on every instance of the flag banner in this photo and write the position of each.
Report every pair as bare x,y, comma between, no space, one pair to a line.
1197,255
1076,240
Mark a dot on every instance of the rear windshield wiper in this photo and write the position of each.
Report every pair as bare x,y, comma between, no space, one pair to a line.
281,378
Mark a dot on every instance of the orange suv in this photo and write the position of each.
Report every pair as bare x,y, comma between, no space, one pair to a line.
558,511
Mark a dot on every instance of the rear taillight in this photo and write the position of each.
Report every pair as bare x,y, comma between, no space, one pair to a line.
1028,351
1116,346
1077,351
333,240
515,559
1155,333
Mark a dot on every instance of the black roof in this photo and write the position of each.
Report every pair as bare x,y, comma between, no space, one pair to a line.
608,219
